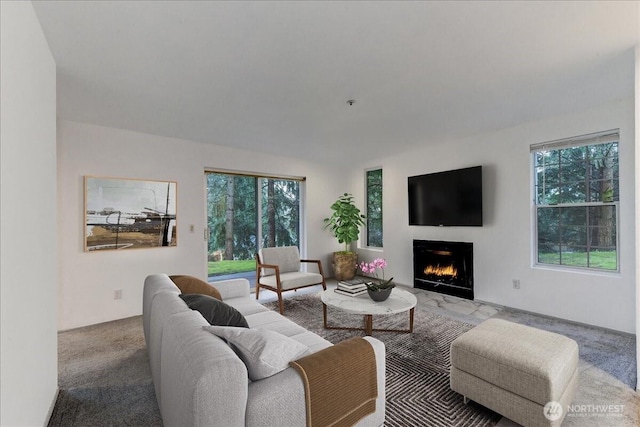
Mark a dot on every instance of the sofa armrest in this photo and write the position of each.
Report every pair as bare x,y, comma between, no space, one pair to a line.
280,399
377,418
202,380
232,288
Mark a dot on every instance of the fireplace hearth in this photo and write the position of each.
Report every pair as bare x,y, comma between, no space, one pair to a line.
444,267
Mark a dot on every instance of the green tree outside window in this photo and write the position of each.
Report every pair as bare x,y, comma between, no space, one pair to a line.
374,208
576,191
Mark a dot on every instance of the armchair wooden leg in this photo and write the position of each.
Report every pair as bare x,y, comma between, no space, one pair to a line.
257,290
280,303
324,284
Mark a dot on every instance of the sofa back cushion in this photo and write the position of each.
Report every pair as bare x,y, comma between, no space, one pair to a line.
164,305
154,284
287,258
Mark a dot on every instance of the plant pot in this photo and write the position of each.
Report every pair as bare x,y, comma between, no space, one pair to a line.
381,295
344,265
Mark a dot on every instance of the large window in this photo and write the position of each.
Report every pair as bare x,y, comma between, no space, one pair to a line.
246,213
576,195
374,208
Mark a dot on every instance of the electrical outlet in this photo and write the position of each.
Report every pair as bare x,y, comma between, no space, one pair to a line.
117,294
516,284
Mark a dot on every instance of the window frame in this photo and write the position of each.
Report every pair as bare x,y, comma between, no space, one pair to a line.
366,191
259,177
574,142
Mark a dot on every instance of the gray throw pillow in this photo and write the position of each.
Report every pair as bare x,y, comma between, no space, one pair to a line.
264,352
215,311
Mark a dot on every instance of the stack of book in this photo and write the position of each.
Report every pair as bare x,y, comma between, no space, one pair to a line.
351,288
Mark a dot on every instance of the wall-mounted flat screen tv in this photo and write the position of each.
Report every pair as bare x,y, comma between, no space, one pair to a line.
451,198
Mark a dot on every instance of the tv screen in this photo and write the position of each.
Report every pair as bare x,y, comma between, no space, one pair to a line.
451,198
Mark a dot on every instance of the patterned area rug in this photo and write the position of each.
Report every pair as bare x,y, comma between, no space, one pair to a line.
418,364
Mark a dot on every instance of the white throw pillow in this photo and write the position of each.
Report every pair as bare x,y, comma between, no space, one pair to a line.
264,352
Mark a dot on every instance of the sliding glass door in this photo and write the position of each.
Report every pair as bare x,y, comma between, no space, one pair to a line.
246,213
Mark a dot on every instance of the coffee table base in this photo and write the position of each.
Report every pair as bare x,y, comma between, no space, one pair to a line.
368,324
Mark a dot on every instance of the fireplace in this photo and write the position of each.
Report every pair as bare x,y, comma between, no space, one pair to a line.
444,267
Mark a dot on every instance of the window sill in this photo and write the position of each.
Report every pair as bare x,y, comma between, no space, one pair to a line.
577,270
371,249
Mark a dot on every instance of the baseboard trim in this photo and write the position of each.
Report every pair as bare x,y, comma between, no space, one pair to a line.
574,322
52,407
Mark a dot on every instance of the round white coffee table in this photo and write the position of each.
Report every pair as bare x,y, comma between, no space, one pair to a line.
398,302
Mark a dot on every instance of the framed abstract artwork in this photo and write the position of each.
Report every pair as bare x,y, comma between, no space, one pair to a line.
123,213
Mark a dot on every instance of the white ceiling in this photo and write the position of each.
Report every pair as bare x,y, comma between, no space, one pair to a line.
275,76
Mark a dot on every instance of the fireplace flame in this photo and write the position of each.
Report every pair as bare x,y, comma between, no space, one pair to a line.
438,270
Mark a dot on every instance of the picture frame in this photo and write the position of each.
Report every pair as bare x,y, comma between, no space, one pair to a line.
125,213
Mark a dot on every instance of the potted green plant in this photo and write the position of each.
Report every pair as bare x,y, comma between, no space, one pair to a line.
344,223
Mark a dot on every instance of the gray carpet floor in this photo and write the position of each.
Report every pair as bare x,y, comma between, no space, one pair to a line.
605,396
105,380
104,377
607,361
417,364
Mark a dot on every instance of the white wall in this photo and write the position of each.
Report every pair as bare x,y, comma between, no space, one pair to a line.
502,247
637,128
28,253
88,280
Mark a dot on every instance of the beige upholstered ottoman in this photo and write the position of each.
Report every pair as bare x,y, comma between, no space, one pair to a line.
515,370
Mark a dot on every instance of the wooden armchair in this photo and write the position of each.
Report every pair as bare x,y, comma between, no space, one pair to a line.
278,269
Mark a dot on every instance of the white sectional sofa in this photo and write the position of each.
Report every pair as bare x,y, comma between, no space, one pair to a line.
199,379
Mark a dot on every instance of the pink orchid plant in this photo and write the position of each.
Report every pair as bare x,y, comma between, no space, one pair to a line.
372,268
